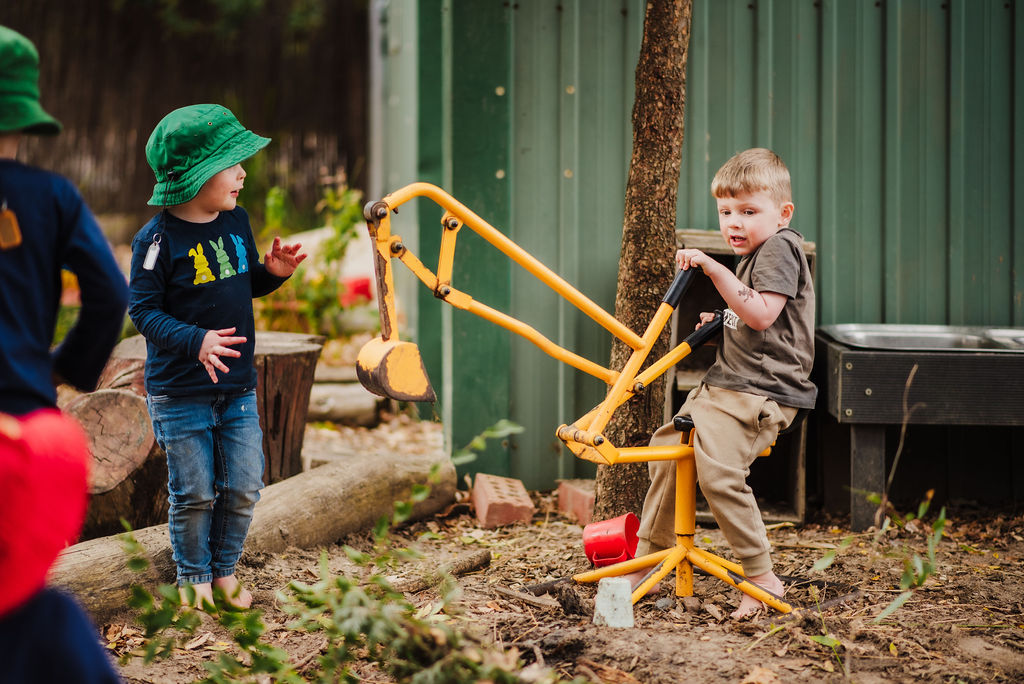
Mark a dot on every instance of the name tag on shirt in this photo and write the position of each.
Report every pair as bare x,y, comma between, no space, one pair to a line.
10,234
730,319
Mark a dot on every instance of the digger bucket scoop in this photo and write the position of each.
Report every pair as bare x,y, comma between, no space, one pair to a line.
391,368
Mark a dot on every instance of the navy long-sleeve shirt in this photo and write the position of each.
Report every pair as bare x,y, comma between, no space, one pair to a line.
204,278
58,231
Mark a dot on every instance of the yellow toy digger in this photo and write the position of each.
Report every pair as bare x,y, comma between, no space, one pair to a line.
392,368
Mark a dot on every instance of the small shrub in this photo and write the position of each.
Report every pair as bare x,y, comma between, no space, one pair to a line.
362,621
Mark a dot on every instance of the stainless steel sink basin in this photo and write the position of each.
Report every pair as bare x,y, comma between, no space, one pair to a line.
927,337
1013,338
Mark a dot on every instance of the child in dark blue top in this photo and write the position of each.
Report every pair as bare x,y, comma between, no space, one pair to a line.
195,270
45,227
45,636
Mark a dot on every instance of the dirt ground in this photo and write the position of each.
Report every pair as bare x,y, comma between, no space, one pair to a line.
966,624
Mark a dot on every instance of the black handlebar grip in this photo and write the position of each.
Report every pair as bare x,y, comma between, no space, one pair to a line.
705,332
678,287
683,423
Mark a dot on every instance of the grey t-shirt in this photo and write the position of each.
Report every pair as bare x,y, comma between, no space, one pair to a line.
775,363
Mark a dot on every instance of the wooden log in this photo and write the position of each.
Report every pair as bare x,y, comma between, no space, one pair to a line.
128,478
344,403
285,366
126,366
308,510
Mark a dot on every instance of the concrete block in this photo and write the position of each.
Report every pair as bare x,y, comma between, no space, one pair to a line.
576,499
500,501
613,605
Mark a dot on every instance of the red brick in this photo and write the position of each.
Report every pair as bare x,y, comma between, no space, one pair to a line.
500,501
576,499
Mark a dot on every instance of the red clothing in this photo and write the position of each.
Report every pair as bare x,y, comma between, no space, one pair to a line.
44,484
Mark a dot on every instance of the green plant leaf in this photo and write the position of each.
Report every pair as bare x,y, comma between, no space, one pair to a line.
825,640
503,428
420,492
137,564
463,457
170,592
140,598
355,556
825,561
894,606
918,566
403,509
907,579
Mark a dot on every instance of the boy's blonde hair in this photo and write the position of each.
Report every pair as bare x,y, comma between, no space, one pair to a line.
754,170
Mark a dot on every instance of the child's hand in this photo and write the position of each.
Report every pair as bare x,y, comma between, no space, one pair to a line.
281,260
214,347
705,317
687,258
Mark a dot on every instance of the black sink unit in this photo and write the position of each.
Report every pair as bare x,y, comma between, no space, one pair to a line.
961,379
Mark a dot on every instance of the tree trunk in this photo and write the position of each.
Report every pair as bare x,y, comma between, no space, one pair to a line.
646,264
128,478
312,509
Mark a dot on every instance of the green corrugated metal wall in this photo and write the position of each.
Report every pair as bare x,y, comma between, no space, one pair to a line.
900,121
522,113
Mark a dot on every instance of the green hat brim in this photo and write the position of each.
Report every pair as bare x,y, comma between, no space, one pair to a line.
235,150
22,113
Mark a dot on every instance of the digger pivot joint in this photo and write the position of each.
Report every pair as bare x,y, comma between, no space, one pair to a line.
374,211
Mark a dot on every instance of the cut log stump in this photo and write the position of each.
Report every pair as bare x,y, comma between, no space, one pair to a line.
312,509
126,366
128,478
285,365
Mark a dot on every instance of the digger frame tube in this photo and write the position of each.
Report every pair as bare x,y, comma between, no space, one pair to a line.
389,368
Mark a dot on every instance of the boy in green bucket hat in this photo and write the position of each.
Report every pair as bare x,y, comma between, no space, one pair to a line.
45,226
195,270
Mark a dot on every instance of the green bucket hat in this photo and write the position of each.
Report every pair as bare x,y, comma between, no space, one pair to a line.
191,145
19,87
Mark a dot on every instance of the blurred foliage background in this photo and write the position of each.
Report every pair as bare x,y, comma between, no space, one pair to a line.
292,70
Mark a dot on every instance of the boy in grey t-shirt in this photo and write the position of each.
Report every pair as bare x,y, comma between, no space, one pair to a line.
761,373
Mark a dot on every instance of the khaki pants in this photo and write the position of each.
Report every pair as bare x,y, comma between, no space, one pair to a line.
732,429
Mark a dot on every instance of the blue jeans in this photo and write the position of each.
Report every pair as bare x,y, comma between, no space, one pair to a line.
214,448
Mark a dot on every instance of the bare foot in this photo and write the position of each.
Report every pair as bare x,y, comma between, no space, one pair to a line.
204,595
750,605
236,595
635,578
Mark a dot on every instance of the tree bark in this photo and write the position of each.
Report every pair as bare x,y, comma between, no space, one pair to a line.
312,509
646,265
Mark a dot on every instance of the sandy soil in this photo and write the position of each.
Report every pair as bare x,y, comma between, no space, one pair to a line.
965,624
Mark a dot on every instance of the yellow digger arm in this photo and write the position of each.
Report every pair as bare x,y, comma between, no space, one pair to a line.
389,367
